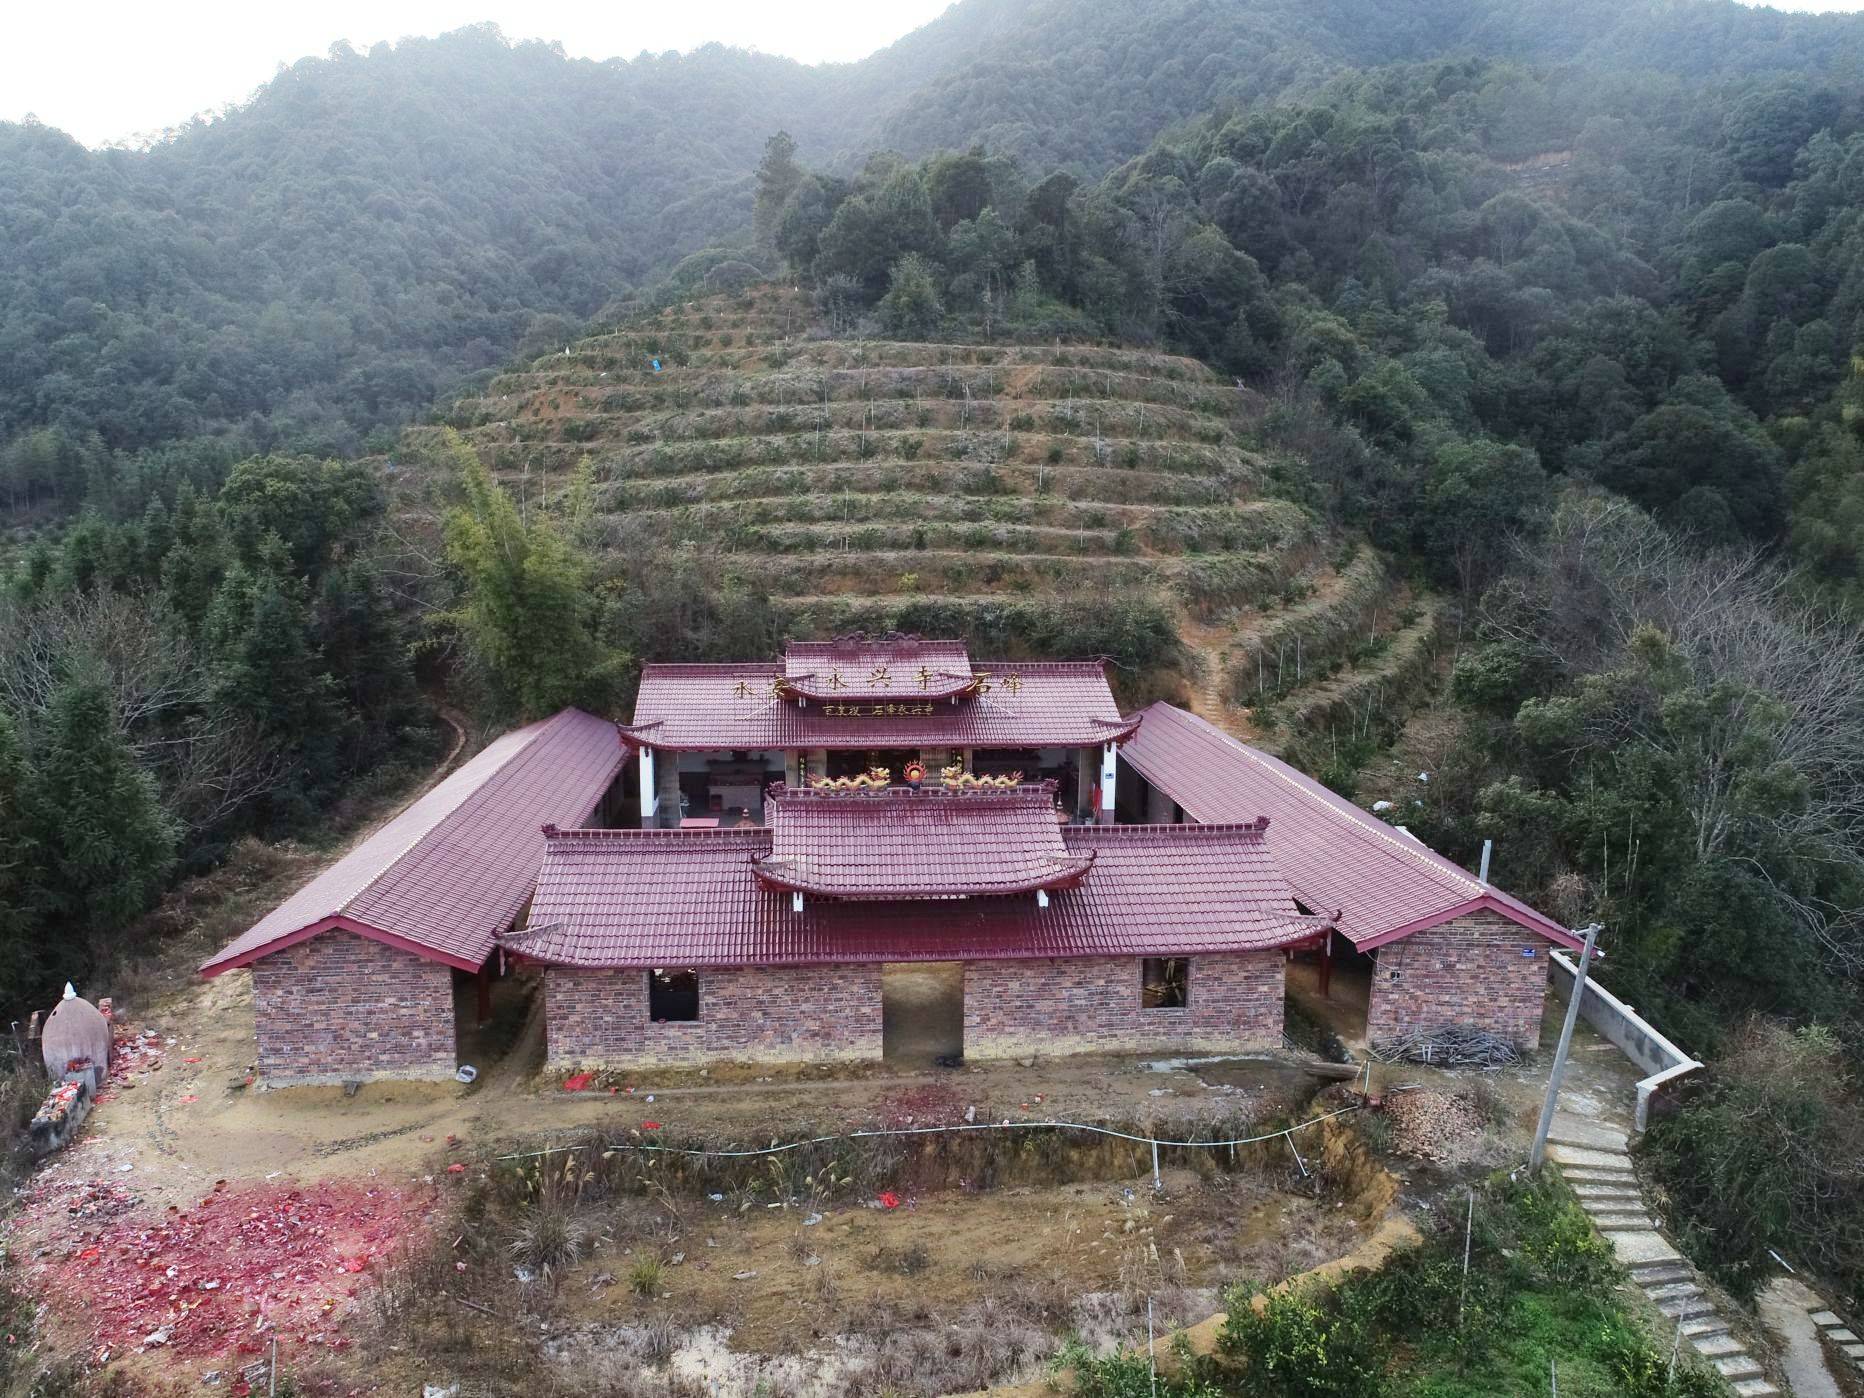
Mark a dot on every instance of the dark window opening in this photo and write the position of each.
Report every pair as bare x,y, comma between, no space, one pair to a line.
1166,983
672,995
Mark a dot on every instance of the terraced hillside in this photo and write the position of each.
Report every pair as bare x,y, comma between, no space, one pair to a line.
944,487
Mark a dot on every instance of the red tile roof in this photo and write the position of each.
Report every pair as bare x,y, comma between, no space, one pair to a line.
454,868
898,843
1383,883
866,668
1027,705
645,898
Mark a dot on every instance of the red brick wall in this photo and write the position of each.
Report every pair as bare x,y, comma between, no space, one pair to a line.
342,1008
1091,1005
746,1015
1469,971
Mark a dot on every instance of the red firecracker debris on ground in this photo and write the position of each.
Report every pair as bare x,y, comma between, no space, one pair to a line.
929,1104
577,1082
219,1277
133,1054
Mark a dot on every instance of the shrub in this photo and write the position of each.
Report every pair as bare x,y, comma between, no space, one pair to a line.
1557,1238
1127,1376
1301,1344
1769,1152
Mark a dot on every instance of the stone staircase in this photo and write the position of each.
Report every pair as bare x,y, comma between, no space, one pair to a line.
1594,1161
1834,1331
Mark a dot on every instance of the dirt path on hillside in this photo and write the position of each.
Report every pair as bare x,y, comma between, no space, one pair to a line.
1210,688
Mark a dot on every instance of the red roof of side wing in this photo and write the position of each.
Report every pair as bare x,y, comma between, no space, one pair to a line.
454,868
645,898
1012,705
1383,883
898,843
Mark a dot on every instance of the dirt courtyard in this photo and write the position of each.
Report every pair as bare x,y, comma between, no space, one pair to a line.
195,1118
189,1176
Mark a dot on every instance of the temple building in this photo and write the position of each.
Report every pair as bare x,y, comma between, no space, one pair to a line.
713,738
772,942
877,847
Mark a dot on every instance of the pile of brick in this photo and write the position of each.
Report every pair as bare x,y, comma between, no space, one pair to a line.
222,1277
1435,1126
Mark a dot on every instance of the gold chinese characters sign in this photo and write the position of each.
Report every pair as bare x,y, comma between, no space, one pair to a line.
777,687
878,710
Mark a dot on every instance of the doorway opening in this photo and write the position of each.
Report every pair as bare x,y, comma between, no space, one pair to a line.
922,1012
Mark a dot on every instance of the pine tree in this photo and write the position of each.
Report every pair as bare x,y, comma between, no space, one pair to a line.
911,310
15,865
100,841
268,666
778,177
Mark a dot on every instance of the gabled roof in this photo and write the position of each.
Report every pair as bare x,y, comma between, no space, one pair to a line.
1031,704
454,868
897,843
1383,883
860,667
646,898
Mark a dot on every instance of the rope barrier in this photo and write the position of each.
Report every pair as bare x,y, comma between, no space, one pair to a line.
1287,1131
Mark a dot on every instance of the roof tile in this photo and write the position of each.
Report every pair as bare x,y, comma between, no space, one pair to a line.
1027,705
1339,859
898,843
645,898
455,867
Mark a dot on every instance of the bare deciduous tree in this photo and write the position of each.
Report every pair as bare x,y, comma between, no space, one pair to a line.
208,762
1777,672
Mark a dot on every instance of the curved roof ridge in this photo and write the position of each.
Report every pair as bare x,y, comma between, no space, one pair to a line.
786,873
1043,789
1192,830
750,834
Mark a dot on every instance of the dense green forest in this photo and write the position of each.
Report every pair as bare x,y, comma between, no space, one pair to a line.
1562,307
216,664
371,230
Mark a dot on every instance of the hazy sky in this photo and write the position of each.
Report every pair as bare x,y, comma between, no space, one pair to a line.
107,69
111,69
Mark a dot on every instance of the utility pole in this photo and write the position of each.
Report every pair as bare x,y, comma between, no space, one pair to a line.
1566,1044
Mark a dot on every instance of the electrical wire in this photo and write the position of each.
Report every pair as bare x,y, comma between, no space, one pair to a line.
937,1130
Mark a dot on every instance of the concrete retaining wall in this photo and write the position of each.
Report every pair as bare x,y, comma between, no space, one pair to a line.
1662,1061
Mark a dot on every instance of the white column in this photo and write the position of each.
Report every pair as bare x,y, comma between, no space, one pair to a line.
650,794
1109,769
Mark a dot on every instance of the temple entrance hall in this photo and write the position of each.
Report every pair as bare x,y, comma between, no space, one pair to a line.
921,1012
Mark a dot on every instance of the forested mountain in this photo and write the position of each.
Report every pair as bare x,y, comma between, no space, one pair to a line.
370,229
1561,306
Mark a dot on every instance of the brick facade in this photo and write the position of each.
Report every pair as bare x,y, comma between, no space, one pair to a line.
341,1008
1092,1005
1468,971
750,1014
